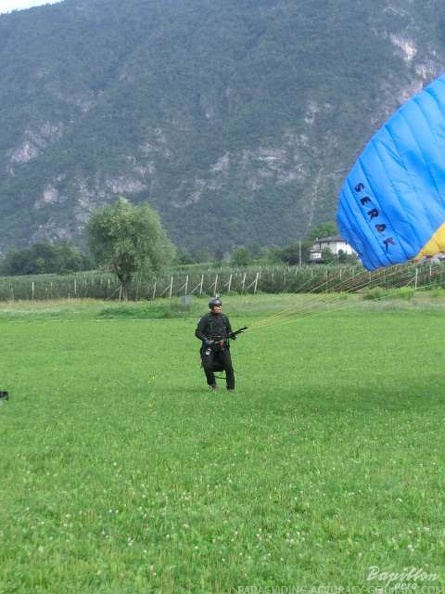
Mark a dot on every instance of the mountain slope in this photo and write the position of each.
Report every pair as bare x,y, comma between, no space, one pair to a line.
236,119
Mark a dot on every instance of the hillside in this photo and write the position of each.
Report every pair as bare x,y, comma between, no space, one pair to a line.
236,119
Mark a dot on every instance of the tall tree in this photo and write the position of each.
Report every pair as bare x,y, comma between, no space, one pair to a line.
128,239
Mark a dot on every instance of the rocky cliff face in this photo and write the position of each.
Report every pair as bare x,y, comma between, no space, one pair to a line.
236,120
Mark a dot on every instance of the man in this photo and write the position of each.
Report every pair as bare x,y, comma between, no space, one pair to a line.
214,330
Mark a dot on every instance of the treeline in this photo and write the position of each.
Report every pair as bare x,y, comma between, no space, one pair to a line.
294,254
65,258
45,258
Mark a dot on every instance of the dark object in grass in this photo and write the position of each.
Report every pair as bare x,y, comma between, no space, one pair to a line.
4,395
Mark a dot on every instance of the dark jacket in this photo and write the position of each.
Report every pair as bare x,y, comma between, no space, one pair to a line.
213,327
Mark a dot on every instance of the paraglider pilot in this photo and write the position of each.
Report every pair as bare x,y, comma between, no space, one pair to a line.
214,330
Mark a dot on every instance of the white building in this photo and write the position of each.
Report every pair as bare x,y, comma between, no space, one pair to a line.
334,243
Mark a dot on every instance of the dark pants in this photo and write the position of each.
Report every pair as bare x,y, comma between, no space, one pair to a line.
218,360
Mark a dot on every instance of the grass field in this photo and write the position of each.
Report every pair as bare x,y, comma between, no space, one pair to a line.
121,474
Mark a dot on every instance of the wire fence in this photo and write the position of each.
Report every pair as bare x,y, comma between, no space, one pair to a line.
267,279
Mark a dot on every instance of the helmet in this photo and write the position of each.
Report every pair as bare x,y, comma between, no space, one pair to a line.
215,303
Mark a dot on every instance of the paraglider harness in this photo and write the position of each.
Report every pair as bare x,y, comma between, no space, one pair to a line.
217,344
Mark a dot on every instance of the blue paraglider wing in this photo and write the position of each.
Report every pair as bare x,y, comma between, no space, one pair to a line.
391,206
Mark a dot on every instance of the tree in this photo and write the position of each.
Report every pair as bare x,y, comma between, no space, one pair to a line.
128,239
241,257
294,254
44,258
323,230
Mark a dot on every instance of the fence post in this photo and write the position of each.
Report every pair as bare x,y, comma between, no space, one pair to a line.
229,284
186,285
32,290
256,283
201,285
170,293
215,284
243,283
154,292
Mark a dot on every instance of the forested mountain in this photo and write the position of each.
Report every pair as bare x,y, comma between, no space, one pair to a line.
237,120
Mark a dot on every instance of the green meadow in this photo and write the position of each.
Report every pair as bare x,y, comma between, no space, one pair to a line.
120,473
